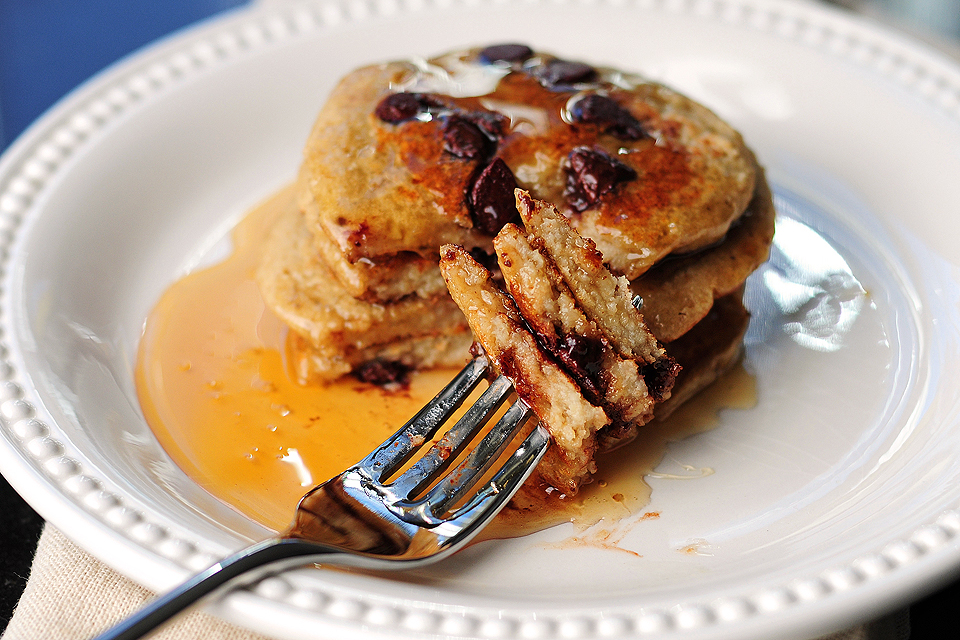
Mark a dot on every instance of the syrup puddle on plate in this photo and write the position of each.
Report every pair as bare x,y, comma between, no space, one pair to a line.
214,387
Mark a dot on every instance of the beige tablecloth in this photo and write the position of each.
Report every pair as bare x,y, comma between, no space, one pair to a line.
73,596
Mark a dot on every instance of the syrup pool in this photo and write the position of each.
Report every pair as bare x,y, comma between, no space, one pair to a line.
215,388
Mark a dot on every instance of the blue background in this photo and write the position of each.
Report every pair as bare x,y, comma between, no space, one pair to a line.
48,47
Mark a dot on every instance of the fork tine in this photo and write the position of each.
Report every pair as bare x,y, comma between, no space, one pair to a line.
464,476
446,450
504,484
397,449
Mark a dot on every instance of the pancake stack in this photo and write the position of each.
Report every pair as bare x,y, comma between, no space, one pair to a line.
593,181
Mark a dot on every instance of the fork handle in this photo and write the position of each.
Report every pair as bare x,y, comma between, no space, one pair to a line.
275,553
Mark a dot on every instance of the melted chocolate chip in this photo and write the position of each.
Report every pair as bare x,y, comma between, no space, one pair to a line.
398,107
582,357
591,174
464,139
383,372
659,376
491,198
476,350
604,111
563,72
505,53
583,351
490,122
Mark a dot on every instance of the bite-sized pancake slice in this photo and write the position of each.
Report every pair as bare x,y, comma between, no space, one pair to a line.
406,156
546,388
680,291
707,350
302,291
573,339
605,298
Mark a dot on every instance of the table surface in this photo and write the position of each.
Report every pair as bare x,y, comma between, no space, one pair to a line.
48,47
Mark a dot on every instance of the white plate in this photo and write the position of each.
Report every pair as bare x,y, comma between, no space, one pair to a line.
834,500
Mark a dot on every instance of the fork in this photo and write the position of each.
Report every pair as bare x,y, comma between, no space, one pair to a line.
363,518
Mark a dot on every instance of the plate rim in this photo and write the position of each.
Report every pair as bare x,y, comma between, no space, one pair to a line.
44,469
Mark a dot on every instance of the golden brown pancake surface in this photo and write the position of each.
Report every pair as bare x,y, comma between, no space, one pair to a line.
640,169
331,331
680,291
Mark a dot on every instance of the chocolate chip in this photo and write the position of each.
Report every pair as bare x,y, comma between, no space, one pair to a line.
383,372
660,376
582,356
604,111
491,198
563,72
505,53
592,173
463,139
490,122
596,108
398,107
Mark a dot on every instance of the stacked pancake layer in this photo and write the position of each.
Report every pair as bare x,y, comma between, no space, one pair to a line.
567,335
333,331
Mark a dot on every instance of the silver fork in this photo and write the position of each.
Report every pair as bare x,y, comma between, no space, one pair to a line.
360,519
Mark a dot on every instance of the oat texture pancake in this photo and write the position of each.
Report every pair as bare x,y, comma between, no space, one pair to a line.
552,314
679,292
710,348
406,156
331,331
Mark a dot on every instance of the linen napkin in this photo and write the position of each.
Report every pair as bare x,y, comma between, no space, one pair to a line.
73,596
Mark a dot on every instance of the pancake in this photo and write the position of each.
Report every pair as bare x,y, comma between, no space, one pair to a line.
334,332
407,156
314,364
383,279
381,189
710,348
521,201
680,291
605,298
550,336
